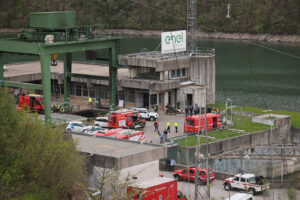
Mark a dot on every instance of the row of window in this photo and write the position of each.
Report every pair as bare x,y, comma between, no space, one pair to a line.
178,73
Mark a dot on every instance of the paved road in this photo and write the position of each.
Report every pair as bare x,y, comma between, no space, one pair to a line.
162,120
218,193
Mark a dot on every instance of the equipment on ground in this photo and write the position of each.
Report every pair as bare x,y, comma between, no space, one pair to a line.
126,134
32,102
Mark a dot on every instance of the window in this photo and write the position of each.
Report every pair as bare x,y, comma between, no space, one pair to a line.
191,122
183,72
173,74
78,90
187,122
202,173
243,180
185,171
178,74
236,178
85,90
115,120
192,171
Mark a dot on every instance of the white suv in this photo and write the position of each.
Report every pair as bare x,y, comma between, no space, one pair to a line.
102,122
145,114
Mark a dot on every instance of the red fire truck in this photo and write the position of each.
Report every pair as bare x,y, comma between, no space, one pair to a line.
32,102
125,118
214,121
126,134
155,189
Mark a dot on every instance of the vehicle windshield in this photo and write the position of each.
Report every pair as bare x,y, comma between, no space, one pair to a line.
42,102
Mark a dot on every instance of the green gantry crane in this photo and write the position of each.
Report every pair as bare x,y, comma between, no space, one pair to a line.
56,33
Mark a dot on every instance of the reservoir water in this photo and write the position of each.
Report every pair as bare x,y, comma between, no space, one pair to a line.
248,74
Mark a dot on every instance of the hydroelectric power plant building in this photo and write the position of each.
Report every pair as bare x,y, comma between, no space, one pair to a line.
145,79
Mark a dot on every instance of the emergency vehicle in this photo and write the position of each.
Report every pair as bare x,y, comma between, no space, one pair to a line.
214,121
190,173
32,102
155,189
126,134
248,182
125,118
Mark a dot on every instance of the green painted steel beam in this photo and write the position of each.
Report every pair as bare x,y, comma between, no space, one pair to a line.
74,46
15,46
29,86
46,79
90,76
67,78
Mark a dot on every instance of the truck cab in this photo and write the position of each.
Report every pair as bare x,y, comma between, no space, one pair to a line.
33,102
190,173
248,182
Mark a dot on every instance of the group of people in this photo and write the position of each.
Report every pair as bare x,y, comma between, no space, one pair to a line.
163,135
190,110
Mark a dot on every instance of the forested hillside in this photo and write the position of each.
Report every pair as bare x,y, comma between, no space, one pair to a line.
253,16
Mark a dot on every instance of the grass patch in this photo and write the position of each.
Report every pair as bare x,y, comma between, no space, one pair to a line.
240,123
295,116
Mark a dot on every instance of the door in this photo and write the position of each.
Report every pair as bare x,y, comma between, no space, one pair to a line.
78,128
192,174
189,99
236,182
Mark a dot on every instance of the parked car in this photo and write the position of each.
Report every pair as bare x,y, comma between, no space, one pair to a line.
152,116
102,122
248,182
189,174
77,127
241,196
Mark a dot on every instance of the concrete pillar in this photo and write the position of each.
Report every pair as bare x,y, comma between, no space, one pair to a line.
149,106
161,76
46,79
113,80
166,98
157,98
166,75
67,76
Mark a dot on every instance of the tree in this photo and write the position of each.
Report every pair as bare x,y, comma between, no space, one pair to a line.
34,157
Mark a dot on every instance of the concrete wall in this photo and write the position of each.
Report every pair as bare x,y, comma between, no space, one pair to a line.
202,72
295,135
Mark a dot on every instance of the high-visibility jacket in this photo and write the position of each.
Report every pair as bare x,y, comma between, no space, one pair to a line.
168,123
175,124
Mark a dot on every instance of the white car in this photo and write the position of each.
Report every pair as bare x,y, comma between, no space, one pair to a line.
101,122
77,127
247,182
241,196
152,116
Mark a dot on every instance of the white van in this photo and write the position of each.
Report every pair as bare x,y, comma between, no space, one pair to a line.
241,196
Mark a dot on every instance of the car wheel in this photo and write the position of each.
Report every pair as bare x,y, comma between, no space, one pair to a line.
83,131
97,125
252,191
177,177
227,187
152,118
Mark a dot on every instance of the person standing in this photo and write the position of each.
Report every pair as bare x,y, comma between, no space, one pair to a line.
176,126
168,126
165,134
191,110
186,111
172,164
156,125
161,137
158,137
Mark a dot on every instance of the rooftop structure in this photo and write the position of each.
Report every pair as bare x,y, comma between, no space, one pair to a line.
118,154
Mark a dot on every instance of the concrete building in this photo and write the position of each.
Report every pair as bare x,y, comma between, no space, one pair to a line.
162,79
148,78
128,160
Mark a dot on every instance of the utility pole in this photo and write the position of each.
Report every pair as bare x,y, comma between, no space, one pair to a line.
202,191
191,25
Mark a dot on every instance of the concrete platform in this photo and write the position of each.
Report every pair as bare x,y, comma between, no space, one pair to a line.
118,154
58,118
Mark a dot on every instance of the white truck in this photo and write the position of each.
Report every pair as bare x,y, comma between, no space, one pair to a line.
247,182
152,116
